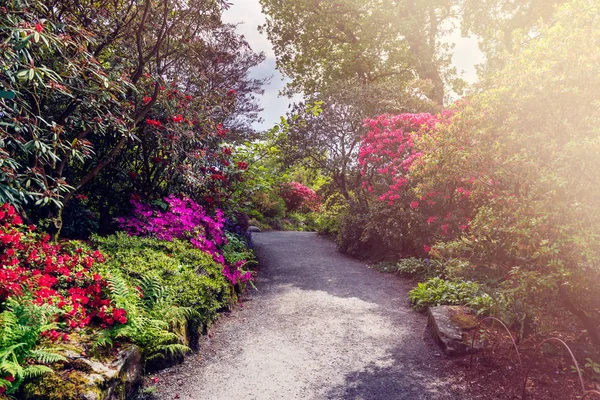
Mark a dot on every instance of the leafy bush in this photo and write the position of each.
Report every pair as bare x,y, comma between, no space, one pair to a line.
330,217
437,291
237,249
498,189
268,205
296,221
420,267
194,278
79,222
156,321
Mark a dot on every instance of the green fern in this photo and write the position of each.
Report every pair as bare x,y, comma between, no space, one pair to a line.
154,322
21,325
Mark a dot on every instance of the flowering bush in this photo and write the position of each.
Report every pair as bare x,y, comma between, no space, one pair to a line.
500,189
194,278
46,273
185,219
47,292
298,197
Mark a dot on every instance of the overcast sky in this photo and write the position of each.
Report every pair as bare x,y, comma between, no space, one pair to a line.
248,14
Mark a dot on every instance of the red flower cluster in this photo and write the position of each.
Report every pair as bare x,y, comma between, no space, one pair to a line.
33,268
154,123
221,131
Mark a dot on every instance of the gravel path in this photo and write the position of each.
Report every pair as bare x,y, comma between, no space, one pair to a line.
321,326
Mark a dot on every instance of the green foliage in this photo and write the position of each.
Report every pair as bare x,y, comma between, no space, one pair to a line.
418,267
237,250
329,219
269,205
320,44
191,276
22,355
437,291
155,321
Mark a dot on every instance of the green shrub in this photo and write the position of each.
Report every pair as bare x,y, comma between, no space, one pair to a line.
270,205
237,250
155,322
297,221
330,218
195,279
419,267
437,291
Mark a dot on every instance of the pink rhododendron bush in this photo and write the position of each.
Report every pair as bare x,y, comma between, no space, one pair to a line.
511,216
298,197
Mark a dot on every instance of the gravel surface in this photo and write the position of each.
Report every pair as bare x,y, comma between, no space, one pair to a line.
321,326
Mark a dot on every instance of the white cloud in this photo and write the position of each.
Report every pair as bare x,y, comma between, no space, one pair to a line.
247,13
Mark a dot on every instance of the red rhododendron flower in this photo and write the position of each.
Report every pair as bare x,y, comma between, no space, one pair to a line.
154,123
39,27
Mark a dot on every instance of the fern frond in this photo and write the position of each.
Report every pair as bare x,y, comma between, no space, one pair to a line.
8,326
118,286
33,371
170,349
46,355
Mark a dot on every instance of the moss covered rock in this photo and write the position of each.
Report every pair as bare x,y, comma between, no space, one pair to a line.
83,378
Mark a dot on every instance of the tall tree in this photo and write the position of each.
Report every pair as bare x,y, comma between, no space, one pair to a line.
88,75
495,22
318,43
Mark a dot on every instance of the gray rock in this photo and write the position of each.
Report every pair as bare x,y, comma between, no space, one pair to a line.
119,377
451,327
252,228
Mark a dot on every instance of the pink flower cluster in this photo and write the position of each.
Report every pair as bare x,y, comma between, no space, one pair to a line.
298,197
235,273
184,219
388,148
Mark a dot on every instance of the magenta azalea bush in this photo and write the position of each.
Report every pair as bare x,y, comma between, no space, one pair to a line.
187,220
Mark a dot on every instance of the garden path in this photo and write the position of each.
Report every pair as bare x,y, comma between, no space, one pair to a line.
320,326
